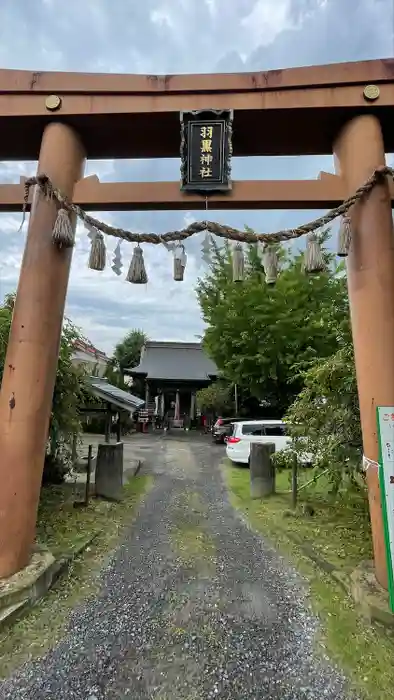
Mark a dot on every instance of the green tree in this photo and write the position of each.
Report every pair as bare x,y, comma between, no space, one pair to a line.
216,398
324,420
114,375
128,352
69,392
258,333
5,324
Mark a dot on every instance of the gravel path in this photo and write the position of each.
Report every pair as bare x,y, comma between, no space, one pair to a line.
192,606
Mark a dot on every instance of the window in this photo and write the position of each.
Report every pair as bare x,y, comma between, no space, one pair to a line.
253,430
274,430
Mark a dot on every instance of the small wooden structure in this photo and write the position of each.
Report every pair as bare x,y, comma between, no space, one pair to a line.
117,401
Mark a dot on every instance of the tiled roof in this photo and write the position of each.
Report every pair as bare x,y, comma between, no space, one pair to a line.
86,346
122,399
175,361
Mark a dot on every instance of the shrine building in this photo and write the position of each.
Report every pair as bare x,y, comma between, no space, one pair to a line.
173,373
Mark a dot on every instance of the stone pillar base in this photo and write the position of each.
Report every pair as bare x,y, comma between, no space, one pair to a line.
368,594
23,589
109,471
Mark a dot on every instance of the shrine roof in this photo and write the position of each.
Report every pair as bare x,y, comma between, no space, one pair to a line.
108,392
175,361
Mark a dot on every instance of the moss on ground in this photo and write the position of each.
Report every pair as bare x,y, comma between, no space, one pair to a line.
62,528
189,538
339,532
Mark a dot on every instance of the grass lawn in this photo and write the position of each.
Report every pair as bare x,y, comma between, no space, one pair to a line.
62,528
339,533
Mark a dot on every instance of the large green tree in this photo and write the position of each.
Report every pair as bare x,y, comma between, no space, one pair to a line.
128,352
260,335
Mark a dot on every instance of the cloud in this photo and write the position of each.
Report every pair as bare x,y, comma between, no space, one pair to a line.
173,36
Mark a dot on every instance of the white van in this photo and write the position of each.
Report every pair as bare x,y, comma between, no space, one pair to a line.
245,432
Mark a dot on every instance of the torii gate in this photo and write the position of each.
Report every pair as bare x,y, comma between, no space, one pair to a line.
63,118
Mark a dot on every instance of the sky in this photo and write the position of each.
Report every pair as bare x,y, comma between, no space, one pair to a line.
173,36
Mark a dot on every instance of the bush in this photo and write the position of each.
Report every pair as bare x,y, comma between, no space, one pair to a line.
324,420
215,399
283,459
69,393
55,469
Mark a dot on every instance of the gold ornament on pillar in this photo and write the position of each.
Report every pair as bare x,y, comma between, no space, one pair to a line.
137,273
344,237
63,234
313,258
371,93
53,103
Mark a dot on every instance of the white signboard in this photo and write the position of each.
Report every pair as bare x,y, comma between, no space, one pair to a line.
385,417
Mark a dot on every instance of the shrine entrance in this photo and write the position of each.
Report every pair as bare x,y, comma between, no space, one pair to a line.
62,119
173,373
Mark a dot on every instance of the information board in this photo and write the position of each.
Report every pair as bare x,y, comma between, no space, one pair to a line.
385,418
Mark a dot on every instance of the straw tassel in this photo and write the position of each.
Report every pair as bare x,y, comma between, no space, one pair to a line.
238,263
137,272
63,234
180,259
98,253
313,259
270,263
344,237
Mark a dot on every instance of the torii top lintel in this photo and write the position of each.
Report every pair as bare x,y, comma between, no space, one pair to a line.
297,111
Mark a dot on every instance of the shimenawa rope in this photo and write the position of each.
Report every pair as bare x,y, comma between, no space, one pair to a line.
221,230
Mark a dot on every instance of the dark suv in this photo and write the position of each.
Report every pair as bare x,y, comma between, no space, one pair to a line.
222,429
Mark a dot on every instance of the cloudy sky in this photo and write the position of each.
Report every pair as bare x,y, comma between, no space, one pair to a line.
173,36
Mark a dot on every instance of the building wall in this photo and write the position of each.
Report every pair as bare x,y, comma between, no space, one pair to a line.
94,366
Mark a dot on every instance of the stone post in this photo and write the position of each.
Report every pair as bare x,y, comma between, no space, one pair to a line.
32,354
358,150
262,470
109,471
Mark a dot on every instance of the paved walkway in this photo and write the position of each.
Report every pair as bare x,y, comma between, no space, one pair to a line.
192,606
136,448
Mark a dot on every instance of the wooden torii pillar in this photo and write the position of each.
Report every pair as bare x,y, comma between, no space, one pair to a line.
32,354
358,151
